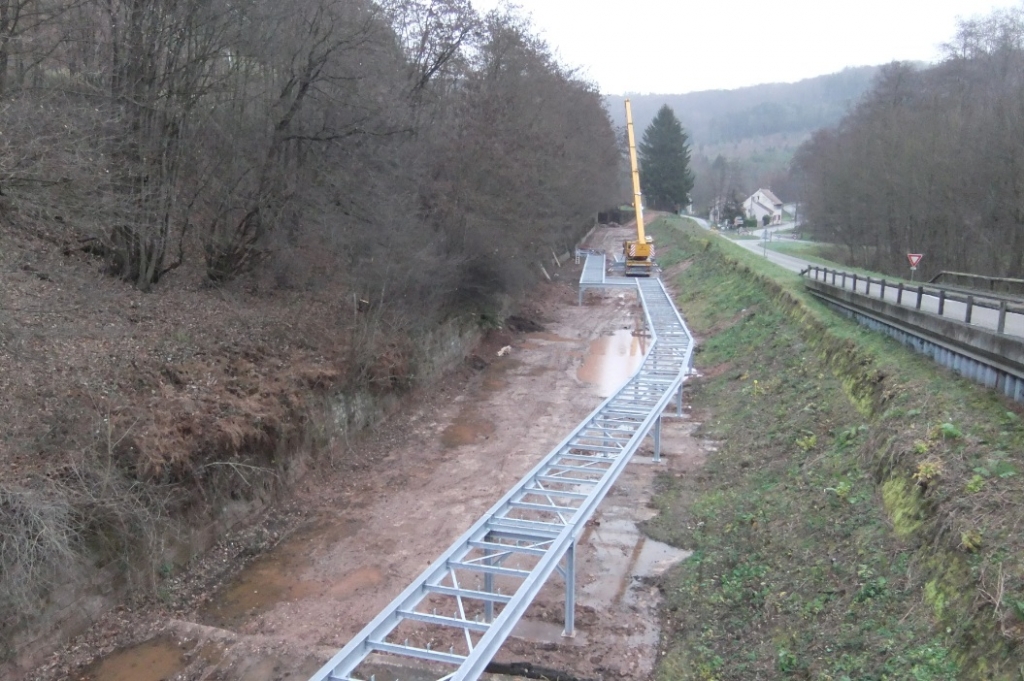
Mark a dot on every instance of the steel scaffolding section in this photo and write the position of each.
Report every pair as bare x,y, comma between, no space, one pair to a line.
593,275
455,616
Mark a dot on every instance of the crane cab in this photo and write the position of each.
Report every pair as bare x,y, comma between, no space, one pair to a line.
639,256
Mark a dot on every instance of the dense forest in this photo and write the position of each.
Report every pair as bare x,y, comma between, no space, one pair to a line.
406,132
930,161
223,221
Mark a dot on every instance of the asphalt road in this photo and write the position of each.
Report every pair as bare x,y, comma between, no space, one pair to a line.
980,317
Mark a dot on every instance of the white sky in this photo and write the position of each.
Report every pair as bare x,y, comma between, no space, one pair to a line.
672,47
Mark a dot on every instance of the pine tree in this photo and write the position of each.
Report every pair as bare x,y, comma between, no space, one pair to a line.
665,163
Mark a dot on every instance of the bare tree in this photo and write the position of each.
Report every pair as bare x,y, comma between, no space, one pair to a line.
434,34
931,160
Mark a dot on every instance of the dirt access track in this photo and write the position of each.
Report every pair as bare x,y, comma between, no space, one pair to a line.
356,536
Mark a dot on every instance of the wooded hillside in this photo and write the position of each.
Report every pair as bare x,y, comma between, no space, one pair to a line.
221,222
745,138
721,116
931,161
155,131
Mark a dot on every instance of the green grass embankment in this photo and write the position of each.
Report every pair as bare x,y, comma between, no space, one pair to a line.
862,516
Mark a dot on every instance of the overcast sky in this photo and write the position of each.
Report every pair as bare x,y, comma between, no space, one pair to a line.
672,47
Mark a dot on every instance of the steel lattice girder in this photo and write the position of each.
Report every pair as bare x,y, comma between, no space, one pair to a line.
486,580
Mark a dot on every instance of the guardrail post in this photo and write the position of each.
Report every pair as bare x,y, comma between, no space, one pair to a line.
844,279
1001,326
570,592
867,289
882,292
833,277
855,282
679,404
942,301
899,294
920,295
970,309
815,273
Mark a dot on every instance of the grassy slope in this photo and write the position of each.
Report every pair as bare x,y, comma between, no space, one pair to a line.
861,517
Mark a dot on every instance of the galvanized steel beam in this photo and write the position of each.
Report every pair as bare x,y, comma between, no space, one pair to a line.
471,597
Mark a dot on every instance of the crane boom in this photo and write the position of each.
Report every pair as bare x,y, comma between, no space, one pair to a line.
639,254
637,197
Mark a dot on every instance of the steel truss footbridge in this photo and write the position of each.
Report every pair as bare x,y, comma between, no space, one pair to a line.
454,617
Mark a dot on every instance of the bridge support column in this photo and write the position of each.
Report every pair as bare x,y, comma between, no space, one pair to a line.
570,591
657,439
489,588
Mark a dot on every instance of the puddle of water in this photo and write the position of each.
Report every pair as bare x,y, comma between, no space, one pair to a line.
153,660
260,586
272,578
469,428
625,554
656,558
611,360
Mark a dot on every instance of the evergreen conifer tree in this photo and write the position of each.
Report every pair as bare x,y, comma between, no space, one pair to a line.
665,163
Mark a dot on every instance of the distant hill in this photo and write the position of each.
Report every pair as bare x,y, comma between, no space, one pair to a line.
723,117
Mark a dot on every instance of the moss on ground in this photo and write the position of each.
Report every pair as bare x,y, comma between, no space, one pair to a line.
861,518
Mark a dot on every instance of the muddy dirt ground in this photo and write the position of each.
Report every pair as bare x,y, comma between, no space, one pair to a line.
319,568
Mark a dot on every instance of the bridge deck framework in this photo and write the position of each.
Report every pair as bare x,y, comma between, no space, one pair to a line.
455,616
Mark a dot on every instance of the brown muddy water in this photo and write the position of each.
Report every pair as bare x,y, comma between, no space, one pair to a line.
467,429
154,660
270,579
611,360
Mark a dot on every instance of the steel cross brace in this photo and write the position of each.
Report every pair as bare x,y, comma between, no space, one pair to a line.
491,574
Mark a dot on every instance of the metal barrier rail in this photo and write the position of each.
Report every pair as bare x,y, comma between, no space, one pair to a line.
455,616
988,312
992,281
1002,374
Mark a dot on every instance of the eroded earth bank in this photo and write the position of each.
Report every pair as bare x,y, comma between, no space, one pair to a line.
319,567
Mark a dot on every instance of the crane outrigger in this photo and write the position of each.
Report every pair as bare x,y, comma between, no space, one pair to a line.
639,253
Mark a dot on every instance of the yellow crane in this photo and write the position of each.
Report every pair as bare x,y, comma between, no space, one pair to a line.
639,253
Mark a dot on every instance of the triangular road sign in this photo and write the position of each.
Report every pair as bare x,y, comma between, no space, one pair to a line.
914,258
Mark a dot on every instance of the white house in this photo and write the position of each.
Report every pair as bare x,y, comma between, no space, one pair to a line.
761,203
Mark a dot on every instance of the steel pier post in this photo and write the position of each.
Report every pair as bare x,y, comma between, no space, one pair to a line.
489,588
657,439
570,591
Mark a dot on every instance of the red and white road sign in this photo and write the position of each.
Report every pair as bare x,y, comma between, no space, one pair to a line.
914,258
